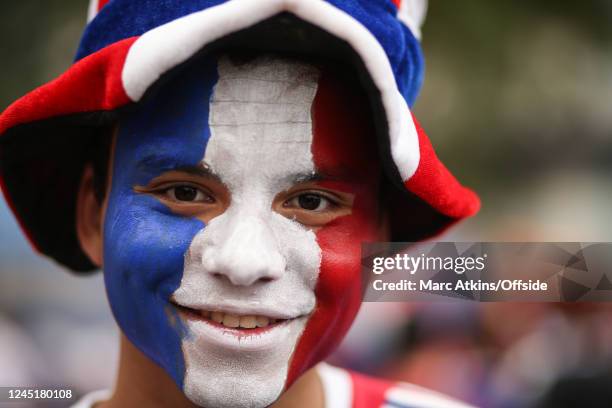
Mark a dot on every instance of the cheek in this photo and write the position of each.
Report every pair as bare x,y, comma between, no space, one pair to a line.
339,287
341,137
144,251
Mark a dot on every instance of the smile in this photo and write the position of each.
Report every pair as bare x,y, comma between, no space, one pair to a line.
239,328
250,322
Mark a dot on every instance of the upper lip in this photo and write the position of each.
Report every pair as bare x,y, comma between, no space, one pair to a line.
246,310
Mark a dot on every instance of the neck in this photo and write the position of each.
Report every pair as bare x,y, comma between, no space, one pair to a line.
141,382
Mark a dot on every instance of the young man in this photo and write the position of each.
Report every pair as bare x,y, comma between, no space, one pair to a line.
223,168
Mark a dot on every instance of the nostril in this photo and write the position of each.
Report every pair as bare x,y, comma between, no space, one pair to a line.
244,277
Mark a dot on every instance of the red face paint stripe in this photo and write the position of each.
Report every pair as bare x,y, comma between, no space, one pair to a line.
341,135
397,3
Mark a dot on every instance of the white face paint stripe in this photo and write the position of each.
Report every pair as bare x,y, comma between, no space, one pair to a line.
263,93
261,133
156,52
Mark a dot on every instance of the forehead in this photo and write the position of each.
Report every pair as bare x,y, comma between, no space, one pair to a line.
271,114
260,118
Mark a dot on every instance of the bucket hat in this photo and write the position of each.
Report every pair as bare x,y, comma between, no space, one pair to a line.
130,46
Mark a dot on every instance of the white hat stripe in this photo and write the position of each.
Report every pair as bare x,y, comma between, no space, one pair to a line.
412,13
92,10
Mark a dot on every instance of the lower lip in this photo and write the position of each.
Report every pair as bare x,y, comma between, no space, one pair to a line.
236,338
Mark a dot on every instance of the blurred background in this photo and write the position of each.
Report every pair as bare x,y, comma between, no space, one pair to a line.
516,100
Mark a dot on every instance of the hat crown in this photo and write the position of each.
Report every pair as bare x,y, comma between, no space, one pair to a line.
409,12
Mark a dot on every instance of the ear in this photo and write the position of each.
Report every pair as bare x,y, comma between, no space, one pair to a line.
89,214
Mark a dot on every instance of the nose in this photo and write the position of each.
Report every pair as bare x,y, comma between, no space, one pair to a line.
247,252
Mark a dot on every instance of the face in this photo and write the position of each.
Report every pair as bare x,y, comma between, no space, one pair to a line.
240,195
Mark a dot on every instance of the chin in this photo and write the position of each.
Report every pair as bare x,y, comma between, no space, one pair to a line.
234,392
231,368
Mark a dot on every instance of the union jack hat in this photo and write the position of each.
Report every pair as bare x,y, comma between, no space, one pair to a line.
129,45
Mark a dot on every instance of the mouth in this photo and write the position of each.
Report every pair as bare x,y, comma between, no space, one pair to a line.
239,328
250,323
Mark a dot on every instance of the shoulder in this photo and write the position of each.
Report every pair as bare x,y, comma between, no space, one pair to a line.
347,389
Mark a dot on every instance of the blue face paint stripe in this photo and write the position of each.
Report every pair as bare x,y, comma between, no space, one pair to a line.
144,242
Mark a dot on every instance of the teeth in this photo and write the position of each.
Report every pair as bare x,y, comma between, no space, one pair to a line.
262,321
248,322
233,321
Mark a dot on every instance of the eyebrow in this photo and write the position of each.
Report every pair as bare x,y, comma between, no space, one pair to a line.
202,169
163,164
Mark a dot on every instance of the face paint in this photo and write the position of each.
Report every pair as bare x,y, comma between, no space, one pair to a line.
251,125
144,242
251,261
343,143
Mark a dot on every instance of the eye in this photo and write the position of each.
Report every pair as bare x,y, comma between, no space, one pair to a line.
188,193
310,202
